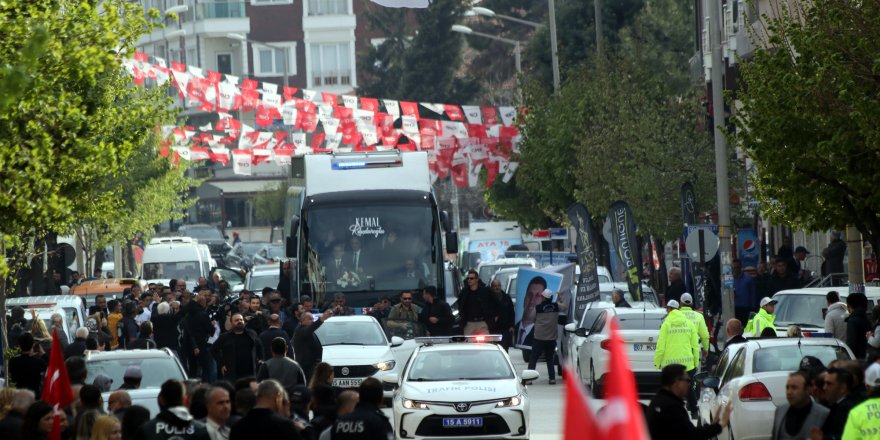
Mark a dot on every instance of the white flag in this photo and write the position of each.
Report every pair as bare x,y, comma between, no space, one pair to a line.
272,99
472,114
330,124
350,101
369,134
309,95
508,114
454,128
226,100
332,141
241,164
392,107
299,140
474,173
183,152
410,125
288,113
232,79
509,170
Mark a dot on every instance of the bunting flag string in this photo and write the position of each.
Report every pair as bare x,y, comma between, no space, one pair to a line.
460,140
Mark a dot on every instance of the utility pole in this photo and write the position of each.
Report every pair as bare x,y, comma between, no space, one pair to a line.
597,4
856,257
723,193
553,53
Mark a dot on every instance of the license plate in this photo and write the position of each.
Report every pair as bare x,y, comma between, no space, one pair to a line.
347,383
644,347
462,422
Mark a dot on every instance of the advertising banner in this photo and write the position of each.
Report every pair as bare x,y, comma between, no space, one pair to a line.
688,204
528,295
747,248
623,232
588,282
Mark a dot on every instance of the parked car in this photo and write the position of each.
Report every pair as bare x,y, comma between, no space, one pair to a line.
752,376
806,307
486,270
157,366
263,275
639,328
209,235
71,308
250,254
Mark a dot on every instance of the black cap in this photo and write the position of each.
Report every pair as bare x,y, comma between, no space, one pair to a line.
801,249
275,299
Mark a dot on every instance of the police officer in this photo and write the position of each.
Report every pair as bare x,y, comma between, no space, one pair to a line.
366,422
687,304
763,319
678,344
174,420
863,422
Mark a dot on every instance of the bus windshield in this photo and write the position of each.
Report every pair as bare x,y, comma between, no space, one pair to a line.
373,249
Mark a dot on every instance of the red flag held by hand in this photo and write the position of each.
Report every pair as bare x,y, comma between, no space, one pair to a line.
56,388
579,422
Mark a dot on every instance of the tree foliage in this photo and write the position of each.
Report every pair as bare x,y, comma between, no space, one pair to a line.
270,203
624,127
418,63
810,106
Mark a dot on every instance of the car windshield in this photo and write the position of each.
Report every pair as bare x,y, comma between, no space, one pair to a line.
504,276
338,332
257,282
460,365
800,309
275,251
155,370
638,321
590,317
488,270
788,357
252,248
185,270
202,233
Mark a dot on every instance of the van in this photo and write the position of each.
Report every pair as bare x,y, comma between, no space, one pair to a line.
111,288
806,307
70,307
167,258
488,269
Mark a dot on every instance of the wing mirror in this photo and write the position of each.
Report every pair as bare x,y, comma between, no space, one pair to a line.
396,341
570,327
582,332
528,376
711,382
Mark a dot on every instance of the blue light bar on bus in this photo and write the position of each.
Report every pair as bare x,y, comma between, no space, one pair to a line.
431,340
355,161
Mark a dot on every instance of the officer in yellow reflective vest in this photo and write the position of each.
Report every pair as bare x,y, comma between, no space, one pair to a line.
863,421
687,304
678,343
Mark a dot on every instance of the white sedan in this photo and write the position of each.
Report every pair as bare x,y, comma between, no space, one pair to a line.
639,328
752,376
357,348
457,387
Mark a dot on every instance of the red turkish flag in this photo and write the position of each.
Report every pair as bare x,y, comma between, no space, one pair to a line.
140,56
579,422
409,109
309,121
317,140
266,115
289,92
490,115
56,388
492,168
250,99
249,84
329,98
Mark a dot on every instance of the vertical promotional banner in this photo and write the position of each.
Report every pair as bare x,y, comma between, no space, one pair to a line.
623,232
588,282
747,248
688,204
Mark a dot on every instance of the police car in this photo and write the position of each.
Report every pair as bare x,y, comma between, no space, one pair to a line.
460,386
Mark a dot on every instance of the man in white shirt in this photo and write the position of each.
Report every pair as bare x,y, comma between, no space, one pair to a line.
219,408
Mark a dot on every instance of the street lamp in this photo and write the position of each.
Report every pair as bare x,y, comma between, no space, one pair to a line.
516,52
283,50
486,12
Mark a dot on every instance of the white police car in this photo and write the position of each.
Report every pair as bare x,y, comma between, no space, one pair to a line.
460,387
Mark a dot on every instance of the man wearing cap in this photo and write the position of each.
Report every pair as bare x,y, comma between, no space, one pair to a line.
131,380
546,332
678,343
763,319
863,422
687,304
618,299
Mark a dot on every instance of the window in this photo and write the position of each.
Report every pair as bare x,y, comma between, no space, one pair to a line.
269,61
224,63
270,2
328,7
331,64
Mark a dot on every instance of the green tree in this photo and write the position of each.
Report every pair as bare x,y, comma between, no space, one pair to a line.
270,203
625,127
809,116
75,120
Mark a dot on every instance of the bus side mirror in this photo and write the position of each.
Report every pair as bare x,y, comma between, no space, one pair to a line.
452,242
291,239
445,221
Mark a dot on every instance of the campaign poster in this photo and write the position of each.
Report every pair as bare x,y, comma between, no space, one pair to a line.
528,295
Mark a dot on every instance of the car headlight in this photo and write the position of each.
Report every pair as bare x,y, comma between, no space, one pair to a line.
385,366
412,404
513,401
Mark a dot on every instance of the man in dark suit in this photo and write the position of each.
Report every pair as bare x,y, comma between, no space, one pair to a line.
801,414
306,345
676,285
273,332
336,264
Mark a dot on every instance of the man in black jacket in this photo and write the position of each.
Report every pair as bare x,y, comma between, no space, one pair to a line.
476,305
436,314
265,420
366,422
858,325
306,345
238,351
78,346
273,332
174,420
198,329
667,417
505,319
839,384
676,285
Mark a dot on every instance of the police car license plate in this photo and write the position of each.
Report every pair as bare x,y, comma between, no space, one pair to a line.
462,422
347,383
644,347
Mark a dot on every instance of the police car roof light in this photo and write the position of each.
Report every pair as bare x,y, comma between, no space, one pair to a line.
431,340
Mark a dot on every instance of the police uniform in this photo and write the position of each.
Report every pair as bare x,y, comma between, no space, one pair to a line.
173,423
863,422
696,319
677,343
366,422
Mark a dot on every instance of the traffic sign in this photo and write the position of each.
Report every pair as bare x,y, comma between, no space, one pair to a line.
710,243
